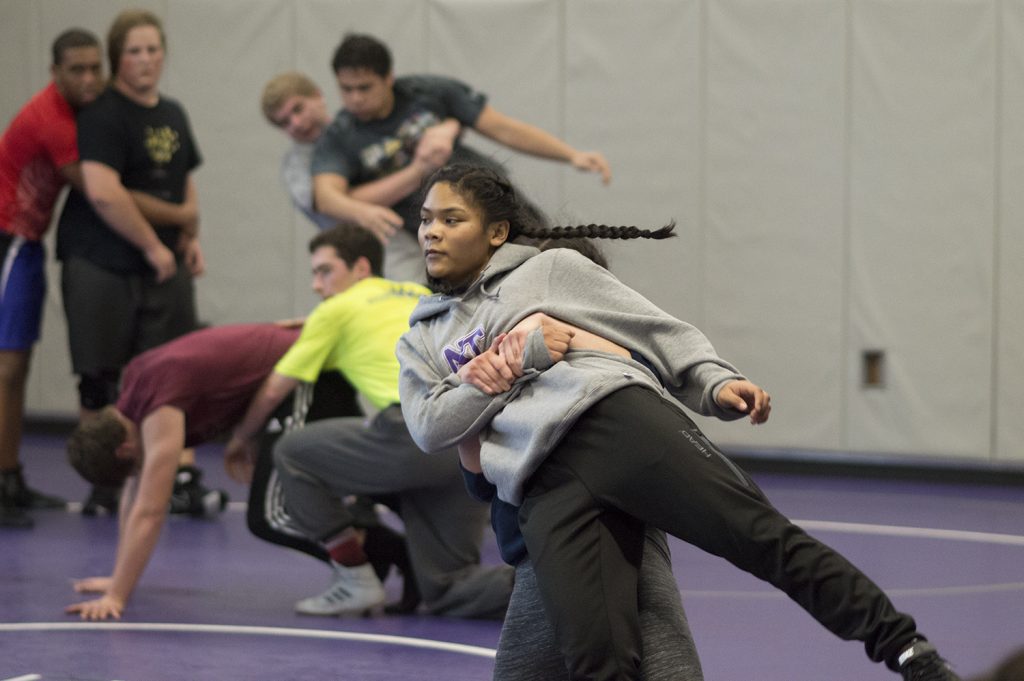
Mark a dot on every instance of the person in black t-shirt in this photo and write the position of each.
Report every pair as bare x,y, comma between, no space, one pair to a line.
127,280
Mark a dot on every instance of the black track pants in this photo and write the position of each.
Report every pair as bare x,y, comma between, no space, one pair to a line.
637,453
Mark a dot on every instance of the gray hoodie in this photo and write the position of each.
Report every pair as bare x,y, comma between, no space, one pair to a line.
518,428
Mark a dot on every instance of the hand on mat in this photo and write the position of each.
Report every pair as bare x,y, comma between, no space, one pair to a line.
746,397
92,585
102,608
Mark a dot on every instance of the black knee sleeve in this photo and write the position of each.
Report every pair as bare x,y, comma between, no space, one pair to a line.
97,390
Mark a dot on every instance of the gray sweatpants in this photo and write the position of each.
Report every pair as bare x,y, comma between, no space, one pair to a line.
528,649
330,459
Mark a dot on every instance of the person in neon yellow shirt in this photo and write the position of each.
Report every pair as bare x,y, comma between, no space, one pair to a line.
354,331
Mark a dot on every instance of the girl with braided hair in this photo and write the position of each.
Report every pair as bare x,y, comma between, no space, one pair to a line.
563,387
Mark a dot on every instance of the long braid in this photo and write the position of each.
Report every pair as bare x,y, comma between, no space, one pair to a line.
498,199
593,231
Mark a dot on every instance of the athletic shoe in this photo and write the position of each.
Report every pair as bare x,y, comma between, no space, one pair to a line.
921,662
191,498
353,591
102,498
13,490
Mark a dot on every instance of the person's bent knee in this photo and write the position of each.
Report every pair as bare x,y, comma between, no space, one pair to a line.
288,451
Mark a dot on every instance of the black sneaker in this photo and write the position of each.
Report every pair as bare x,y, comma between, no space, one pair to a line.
191,498
102,499
14,491
921,662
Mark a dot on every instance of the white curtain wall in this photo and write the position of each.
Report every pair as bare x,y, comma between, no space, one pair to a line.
845,175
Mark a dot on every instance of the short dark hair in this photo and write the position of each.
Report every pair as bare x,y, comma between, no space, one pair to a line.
361,51
92,449
69,40
352,242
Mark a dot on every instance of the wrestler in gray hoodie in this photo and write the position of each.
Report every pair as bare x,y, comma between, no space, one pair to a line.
517,434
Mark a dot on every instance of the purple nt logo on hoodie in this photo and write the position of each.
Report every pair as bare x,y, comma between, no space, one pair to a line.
459,353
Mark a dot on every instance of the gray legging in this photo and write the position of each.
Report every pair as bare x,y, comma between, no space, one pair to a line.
528,649
321,464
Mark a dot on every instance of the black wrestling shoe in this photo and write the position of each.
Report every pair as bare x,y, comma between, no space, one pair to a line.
13,490
102,499
191,498
921,662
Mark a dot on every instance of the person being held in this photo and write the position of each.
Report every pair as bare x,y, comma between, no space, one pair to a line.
528,648
569,441
180,394
393,132
354,331
292,102
129,242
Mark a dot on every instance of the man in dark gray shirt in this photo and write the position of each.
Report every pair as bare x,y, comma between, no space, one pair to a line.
393,132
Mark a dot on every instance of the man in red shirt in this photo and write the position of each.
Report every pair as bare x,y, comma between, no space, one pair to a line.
38,156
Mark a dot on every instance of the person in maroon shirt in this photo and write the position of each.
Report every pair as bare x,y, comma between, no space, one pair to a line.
177,395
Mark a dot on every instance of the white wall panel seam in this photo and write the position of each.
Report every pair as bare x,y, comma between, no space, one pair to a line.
844,316
702,162
997,224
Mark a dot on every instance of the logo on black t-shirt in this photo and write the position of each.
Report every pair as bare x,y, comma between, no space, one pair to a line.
161,143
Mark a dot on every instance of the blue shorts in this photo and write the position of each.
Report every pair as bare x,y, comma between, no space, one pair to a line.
22,290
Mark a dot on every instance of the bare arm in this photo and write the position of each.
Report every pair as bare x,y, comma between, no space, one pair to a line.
530,139
738,395
433,150
331,196
114,204
154,210
163,437
157,211
72,174
239,454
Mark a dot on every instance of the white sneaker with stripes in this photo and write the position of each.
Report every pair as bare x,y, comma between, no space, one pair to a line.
353,591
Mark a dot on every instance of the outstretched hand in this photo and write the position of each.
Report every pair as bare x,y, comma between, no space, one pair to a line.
104,607
592,162
744,396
